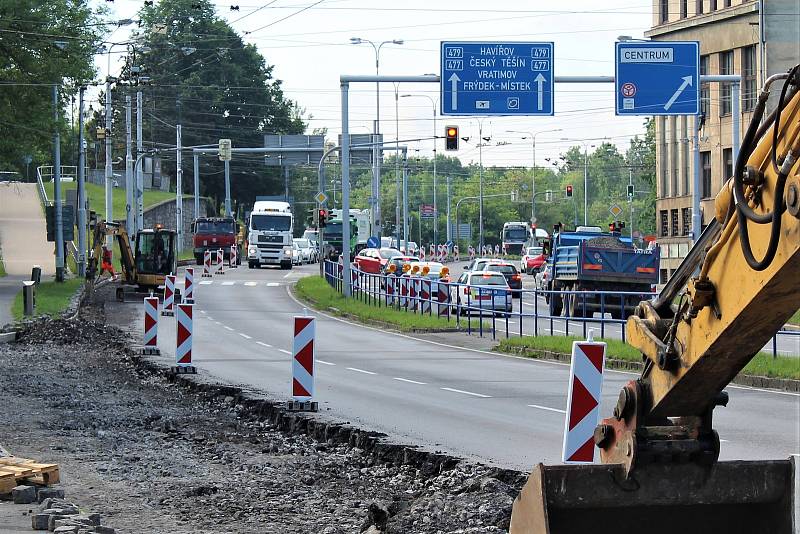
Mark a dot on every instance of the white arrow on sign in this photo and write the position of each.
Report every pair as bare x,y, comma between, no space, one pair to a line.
687,80
454,79
539,86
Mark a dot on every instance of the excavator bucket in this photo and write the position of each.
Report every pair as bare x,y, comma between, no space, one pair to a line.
730,497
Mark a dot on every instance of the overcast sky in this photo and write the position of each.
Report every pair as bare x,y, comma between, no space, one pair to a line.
311,48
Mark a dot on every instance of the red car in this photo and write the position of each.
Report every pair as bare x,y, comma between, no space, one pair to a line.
533,260
373,260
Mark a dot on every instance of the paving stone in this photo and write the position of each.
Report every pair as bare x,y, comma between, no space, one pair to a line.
23,494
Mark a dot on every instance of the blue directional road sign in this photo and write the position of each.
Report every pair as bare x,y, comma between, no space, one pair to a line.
510,78
660,78
373,242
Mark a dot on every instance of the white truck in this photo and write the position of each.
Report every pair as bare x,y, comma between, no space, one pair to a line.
361,217
269,235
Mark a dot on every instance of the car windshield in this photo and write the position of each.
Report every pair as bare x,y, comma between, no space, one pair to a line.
534,251
271,223
516,234
489,280
390,253
302,243
333,229
215,227
505,269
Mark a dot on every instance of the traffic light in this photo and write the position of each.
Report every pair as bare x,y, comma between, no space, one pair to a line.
630,191
451,138
569,191
322,216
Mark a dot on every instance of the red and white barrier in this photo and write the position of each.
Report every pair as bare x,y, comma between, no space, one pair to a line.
403,291
583,401
233,259
442,297
183,345
354,277
471,253
455,253
188,286
389,287
150,339
220,261
207,264
303,352
413,293
169,295
422,253
425,295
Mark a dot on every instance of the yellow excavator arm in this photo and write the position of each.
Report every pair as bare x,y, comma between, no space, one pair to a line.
100,231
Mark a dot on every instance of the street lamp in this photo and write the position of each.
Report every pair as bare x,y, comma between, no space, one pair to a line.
435,209
533,179
586,147
376,150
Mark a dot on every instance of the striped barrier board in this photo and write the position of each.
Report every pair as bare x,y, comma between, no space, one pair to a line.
390,288
233,259
455,253
354,277
207,264
413,293
188,285
220,261
583,401
150,339
303,353
169,296
425,295
443,297
183,345
403,292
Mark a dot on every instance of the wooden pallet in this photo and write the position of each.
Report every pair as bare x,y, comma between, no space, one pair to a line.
15,470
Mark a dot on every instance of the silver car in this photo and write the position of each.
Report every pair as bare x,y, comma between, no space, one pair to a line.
484,291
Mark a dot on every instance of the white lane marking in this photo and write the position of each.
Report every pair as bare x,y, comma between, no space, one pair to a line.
723,440
245,336
228,328
202,311
468,393
251,284
210,318
531,361
323,362
219,323
205,282
273,284
287,275
228,283
547,408
264,344
361,371
284,351
409,381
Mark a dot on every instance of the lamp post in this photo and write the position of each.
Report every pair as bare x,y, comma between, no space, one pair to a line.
435,208
533,179
377,150
586,147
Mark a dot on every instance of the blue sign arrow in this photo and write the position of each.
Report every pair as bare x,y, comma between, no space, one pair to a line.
374,242
510,78
658,78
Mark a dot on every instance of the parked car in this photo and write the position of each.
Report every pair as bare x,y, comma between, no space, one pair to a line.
483,291
477,264
374,260
434,270
532,260
512,275
543,277
306,251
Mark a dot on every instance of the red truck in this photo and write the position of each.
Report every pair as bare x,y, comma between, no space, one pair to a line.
212,233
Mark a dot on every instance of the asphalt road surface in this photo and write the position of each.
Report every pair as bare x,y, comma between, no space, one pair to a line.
469,402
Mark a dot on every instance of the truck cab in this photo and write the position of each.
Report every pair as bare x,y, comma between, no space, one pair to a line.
269,235
515,236
213,233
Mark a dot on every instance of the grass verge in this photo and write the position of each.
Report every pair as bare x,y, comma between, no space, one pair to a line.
96,196
795,318
317,292
2,267
51,298
535,347
187,254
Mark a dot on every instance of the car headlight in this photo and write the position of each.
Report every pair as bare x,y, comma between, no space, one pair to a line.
287,251
252,250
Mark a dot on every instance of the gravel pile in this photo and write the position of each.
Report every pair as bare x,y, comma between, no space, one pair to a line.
608,242
153,457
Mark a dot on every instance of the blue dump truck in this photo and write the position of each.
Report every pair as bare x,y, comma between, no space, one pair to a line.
591,260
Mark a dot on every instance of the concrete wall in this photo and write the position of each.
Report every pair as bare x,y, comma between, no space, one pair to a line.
165,214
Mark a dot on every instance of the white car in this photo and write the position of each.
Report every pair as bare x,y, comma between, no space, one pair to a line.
543,276
297,254
306,251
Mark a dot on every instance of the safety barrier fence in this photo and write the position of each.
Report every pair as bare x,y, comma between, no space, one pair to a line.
488,311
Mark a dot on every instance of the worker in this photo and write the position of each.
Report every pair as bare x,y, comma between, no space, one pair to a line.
106,265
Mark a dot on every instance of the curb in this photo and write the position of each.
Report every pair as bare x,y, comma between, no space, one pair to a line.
8,337
293,423
783,384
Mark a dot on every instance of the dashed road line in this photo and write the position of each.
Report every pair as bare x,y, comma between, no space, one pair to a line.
481,395
323,362
205,282
228,283
357,370
251,284
202,311
549,409
228,328
273,284
245,336
264,344
408,380
284,351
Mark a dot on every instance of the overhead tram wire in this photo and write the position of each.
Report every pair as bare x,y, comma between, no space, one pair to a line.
284,18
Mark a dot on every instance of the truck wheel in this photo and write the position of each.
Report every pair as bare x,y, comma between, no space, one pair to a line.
575,306
198,260
556,304
251,265
286,265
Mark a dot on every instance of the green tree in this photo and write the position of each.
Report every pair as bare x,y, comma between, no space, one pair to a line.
41,43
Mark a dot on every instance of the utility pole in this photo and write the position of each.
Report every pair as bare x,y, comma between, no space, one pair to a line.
405,203
196,169
57,191
585,184
397,164
630,199
130,224
109,170
480,183
139,172
228,188
81,188
449,229
179,185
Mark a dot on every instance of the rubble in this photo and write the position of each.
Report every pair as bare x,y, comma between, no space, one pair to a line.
155,457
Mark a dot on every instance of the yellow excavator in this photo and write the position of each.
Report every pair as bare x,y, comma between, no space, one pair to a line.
144,267
739,284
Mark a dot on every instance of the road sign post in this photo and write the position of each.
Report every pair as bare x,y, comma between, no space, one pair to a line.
657,78
512,78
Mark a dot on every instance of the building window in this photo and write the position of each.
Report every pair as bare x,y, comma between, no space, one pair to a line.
727,161
726,3
705,88
749,87
687,220
664,276
663,11
712,5
684,8
664,224
705,164
674,219
725,67
699,7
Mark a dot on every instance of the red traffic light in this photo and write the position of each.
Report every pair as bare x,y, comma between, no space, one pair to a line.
322,218
569,191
